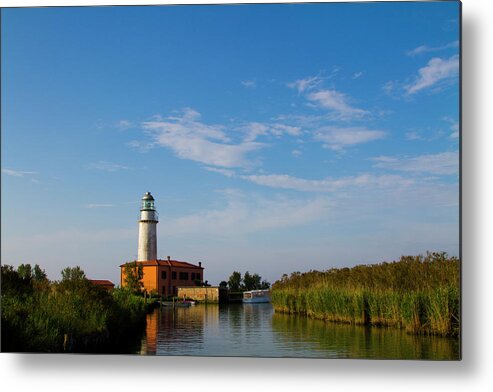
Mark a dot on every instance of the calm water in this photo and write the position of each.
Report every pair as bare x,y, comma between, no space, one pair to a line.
256,330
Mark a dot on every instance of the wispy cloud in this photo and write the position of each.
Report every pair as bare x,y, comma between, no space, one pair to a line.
336,102
437,70
444,163
454,127
224,172
254,130
426,49
18,173
249,83
305,84
106,166
191,139
338,138
124,124
357,75
251,213
284,181
427,135
390,88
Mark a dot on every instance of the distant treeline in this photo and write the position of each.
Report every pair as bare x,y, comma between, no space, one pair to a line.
70,315
418,293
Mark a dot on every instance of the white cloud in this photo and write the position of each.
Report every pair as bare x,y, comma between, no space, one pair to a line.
426,135
251,214
425,48
337,138
306,84
124,124
435,71
280,129
194,140
140,145
224,172
336,102
454,127
455,131
17,173
249,83
389,87
254,130
413,135
444,163
106,166
357,75
284,181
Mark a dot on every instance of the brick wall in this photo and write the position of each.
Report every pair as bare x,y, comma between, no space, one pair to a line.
201,294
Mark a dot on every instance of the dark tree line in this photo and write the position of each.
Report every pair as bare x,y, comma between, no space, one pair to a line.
248,282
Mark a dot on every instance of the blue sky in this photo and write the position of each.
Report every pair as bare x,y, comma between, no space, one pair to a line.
275,138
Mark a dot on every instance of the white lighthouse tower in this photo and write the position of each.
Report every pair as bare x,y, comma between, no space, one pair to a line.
147,229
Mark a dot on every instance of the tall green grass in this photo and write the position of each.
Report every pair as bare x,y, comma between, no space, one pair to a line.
418,293
72,315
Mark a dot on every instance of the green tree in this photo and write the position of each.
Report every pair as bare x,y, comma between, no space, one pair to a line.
39,274
251,282
25,271
134,272
264,285
223,284
234,282
73,274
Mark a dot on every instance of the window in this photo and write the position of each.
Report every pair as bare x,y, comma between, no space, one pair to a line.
173,275
197,276
183,275
163,290
193,276
163,274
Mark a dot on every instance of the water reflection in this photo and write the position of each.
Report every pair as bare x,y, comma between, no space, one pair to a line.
255,330
350,341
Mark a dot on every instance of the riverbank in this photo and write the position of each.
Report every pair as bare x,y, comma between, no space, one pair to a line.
72,315
419,294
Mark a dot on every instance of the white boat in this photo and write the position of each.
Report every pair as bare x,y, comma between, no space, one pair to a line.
256,296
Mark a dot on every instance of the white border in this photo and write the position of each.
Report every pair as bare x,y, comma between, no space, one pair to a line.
473,373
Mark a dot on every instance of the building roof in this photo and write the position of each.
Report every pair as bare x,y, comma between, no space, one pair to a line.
101,282
148,196
166,263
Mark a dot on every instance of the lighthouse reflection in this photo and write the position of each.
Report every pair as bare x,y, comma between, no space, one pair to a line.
224,330
178,331
255,330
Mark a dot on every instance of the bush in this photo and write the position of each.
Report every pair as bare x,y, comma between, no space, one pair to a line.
72,315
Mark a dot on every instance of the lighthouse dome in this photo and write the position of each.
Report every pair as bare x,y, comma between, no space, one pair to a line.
148,196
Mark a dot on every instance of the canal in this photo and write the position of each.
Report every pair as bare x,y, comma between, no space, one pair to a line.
255,330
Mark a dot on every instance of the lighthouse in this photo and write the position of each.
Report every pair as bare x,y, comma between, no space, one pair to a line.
147,229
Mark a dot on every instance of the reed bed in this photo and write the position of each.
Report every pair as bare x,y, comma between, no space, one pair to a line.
418,293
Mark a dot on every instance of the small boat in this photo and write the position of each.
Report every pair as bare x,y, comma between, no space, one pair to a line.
256,296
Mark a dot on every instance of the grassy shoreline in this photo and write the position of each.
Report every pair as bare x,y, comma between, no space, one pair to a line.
72,315
418,293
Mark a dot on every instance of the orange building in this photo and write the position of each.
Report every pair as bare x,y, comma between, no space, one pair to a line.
164,276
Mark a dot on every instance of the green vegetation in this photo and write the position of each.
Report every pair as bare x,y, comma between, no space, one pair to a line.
420,294
134,273
248,282
71,315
